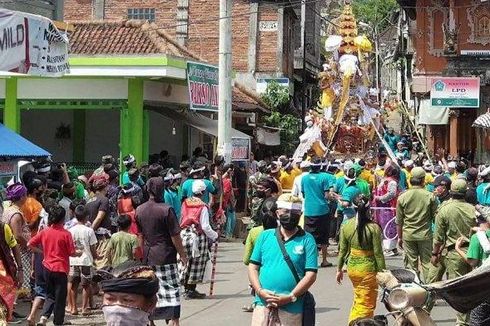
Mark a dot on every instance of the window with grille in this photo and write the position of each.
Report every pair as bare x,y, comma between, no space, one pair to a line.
142,14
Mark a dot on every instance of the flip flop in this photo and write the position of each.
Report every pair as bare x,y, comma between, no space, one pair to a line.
328,264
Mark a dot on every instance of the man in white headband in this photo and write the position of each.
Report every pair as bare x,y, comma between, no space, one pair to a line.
280,289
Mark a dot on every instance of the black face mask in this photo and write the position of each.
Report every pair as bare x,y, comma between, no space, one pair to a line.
260,193
289,220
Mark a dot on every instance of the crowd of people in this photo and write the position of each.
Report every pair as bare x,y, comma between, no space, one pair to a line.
143,236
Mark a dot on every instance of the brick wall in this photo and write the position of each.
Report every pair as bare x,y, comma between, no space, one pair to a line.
203,30
267,41
203,37
77,10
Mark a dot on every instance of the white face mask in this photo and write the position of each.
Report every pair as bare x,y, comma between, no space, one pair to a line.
117,315
309,124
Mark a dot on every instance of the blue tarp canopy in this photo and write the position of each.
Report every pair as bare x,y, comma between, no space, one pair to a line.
15,146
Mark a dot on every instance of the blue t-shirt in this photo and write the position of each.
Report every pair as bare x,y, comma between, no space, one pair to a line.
339,184
483,196
348,194
172,198
275,274
314,186
187,189
125,179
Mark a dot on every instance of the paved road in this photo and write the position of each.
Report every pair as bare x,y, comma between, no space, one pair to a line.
224,309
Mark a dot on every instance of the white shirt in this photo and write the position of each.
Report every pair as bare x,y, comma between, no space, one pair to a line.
206,228
296,191
83,238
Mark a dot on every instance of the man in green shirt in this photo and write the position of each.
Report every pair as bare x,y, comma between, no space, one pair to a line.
454,219
415,211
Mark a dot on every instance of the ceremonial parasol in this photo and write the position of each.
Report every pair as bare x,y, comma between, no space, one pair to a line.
483,121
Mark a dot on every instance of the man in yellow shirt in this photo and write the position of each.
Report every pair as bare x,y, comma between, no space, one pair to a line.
289,171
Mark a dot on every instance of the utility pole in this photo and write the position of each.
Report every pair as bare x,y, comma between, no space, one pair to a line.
376,48
225,86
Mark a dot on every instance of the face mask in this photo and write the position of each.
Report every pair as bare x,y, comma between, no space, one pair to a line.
289,220
117,315
260,193
309,124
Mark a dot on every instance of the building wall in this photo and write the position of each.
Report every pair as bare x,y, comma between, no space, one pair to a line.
78,10
39,126
428,36
37,7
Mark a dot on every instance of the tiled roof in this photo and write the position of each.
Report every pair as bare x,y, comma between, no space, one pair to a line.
133,37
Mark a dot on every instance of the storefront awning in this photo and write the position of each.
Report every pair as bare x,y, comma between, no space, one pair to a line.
13,145
198,121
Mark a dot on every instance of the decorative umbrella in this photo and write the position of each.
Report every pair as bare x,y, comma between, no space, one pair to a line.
482,121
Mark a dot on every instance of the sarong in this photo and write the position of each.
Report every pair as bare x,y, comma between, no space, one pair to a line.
168,295
198,254
7,294
385,218
361,271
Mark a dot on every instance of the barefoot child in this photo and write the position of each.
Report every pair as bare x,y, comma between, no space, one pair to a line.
81,267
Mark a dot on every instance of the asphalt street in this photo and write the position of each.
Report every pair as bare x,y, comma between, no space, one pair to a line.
232,293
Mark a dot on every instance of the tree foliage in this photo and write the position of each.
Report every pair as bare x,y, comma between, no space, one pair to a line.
277,97
289,125
374,12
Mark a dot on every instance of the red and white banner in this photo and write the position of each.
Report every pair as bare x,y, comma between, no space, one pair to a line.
31,44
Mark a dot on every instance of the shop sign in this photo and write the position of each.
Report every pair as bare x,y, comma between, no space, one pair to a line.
31,44
455,92
202,80
8,168
240,149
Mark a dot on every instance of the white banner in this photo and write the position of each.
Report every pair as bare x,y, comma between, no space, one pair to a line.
31,44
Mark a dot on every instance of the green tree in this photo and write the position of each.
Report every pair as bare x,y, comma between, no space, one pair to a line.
277,97
374,12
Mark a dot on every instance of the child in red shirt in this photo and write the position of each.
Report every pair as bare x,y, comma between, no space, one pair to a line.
57,247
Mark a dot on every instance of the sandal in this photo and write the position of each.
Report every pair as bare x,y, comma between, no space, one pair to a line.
86,313
249,308
326,264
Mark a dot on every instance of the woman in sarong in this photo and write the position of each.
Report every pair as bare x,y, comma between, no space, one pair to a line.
361,249
196,234
14,217
10,275
385,198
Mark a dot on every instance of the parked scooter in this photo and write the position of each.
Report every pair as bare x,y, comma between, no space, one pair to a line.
405,297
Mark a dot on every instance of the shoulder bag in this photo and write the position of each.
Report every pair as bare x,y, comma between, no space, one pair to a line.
308,299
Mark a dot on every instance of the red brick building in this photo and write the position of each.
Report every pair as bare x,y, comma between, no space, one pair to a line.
452,38
262,41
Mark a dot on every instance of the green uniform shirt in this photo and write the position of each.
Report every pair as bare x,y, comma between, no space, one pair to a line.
415,211
454,219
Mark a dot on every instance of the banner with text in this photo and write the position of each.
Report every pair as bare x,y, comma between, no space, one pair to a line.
202,80
455,92
240,149
31,44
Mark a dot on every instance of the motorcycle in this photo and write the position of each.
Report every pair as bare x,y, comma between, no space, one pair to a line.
405,297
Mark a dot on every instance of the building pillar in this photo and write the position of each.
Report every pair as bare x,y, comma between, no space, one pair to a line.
453,136
11,113
146,135
252,37
133,134
79,133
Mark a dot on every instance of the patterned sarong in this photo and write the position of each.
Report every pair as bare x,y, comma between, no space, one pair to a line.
360,270
196,247
169,288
